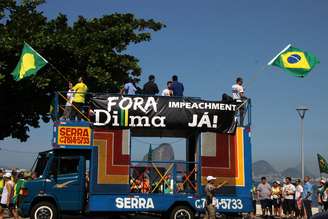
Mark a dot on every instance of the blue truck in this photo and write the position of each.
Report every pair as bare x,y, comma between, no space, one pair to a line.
90,169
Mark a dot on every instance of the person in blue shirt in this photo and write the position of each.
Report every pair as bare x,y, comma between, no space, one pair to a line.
177,87
307,196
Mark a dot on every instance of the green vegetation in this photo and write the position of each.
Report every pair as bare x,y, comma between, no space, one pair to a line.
92,48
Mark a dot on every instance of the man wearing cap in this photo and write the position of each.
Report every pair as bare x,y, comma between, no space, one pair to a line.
7,194
210,190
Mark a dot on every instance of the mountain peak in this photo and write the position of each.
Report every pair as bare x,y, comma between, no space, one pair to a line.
263,168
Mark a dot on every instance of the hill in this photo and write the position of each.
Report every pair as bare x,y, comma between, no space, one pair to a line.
263,168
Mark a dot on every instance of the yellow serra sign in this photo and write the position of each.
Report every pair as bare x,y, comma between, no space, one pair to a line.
70,135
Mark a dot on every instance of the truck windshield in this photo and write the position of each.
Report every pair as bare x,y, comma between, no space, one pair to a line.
39,165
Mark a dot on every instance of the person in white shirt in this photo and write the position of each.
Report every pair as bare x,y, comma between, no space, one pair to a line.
129,88
168,90
299,211
238,90
7,195
68,105
238,96
288,193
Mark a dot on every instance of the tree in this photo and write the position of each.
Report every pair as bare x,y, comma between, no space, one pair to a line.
92,48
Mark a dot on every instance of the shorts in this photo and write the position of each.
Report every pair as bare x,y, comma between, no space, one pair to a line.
4,206
290,205
276,202
265,203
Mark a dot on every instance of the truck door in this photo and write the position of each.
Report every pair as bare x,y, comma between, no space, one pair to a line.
67,182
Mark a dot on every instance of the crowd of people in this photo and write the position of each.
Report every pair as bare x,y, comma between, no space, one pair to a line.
288,199
10,190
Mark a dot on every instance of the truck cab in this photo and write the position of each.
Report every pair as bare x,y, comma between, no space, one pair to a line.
59,184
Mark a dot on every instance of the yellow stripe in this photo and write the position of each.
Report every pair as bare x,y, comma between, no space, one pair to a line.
114,179
240,147
103,178
101,161
239,180
126,116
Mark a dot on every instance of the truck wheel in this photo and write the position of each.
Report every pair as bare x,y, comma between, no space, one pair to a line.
44,210
182,212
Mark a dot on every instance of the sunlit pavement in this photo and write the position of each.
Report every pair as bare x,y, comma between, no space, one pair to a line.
258,209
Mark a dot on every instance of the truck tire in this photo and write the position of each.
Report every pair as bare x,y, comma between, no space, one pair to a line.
182,212
44,210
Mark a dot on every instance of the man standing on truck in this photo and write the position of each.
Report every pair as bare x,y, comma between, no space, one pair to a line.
238,96
150,88
79,99
177,87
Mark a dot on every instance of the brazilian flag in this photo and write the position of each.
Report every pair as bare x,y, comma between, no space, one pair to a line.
323,165
295,61
29,64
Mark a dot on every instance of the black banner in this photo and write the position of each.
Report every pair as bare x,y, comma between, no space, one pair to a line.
163,112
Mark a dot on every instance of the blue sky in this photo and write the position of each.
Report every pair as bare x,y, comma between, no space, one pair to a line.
208,44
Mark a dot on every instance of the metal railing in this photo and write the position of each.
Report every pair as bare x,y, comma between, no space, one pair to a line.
167,177
244,113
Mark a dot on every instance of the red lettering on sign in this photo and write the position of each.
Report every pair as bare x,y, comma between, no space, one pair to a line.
74,135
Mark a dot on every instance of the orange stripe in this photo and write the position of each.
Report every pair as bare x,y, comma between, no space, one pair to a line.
238,180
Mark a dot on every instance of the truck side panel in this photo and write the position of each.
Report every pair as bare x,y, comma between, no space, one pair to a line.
111,162
228,158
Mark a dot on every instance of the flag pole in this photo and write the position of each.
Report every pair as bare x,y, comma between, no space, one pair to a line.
61,74
282,51
255,75
46,61
269,63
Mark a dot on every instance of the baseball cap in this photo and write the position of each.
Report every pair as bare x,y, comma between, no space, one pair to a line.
8,175
27,174
209,178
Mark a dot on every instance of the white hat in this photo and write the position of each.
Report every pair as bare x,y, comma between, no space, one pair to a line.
8,175
209,178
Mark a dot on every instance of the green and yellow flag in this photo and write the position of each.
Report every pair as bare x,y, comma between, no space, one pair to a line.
29,64
295,61
323,165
